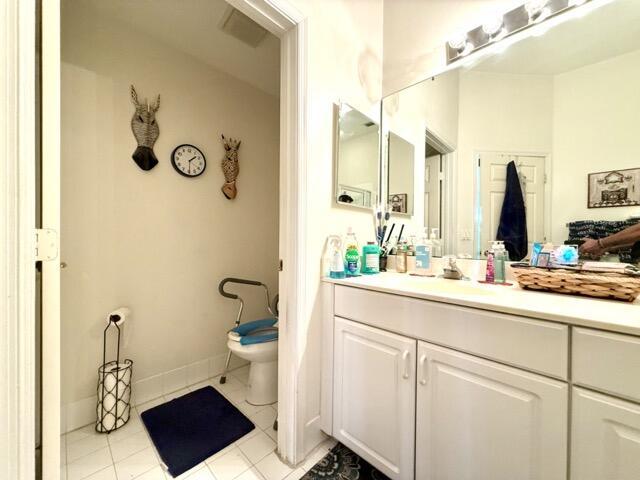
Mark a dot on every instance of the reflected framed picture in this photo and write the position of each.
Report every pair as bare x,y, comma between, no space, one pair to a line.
615,188
398,202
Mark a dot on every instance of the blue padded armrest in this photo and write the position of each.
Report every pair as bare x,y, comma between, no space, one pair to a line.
249,327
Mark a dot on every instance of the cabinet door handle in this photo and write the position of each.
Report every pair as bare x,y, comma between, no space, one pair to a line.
423,380
405,359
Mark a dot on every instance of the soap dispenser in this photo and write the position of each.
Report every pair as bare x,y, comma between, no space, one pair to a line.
352,254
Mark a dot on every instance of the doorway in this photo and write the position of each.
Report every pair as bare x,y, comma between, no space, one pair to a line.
491,174
288,25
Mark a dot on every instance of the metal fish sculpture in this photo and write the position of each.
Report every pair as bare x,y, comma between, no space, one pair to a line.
146,130
230,167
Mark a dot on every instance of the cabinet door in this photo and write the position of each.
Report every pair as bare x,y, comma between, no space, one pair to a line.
605,437
480,420
374,396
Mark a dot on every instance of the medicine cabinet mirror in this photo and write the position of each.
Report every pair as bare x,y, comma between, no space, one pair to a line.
562,107
356,158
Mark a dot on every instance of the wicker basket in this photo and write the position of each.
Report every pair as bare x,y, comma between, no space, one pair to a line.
616,286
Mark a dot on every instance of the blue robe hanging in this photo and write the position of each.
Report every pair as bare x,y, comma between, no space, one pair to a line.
513,217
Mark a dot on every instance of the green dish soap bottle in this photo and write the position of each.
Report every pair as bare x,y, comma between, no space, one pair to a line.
351,255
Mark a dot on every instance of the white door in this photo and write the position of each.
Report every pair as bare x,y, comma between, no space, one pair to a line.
374,396
605,438
493,175
50,197
479,420
432,192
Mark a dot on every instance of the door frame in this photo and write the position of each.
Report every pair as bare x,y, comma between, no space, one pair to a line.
476,192
17,204
17,224
290,26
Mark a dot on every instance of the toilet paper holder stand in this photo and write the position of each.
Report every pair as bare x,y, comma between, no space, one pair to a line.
114,383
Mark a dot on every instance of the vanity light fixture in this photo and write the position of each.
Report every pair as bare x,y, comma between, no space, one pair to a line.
528,19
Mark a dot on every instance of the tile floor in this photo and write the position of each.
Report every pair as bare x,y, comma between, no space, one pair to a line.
128,453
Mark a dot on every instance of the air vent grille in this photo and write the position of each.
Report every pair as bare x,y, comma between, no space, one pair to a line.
238,25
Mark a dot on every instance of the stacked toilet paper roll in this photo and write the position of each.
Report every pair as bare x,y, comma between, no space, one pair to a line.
114,387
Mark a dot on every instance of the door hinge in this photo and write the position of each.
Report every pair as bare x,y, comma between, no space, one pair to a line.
280,265
46,244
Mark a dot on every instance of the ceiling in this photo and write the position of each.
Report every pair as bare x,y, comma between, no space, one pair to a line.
609,31
193,27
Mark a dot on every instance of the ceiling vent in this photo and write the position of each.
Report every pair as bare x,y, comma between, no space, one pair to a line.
238,25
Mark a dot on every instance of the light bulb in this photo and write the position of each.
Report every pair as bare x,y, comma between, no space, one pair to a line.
537,10
493,26
458,42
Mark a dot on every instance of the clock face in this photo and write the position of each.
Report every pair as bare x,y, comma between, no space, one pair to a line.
188,160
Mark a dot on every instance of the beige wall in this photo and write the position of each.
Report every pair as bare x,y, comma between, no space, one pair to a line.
596,115
155,241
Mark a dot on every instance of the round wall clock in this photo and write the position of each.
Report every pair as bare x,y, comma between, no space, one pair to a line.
188,160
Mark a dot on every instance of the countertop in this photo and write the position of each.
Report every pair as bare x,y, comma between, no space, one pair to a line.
612,315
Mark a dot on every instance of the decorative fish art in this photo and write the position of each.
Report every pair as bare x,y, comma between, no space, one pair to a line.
146,130
230,167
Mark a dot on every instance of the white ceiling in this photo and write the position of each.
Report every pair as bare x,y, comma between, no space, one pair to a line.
610,31
193,27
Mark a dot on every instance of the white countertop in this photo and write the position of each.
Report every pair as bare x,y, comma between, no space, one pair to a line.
623,317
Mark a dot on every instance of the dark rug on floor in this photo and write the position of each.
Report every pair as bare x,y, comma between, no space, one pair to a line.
342,464
191,428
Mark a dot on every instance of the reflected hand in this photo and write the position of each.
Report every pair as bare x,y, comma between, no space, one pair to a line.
591,247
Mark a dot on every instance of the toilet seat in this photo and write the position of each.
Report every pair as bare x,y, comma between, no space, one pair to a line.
255,332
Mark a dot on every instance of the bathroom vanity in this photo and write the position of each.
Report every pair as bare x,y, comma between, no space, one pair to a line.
436,379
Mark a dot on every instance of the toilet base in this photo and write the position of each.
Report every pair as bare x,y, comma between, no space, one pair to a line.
263,383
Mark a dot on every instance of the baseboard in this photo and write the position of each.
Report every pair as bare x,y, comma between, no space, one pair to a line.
82,412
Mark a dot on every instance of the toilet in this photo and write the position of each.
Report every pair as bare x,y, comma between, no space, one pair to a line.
257,342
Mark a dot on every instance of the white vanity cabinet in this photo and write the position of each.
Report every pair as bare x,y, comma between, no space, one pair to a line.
430,390
605,437
480,420
374,391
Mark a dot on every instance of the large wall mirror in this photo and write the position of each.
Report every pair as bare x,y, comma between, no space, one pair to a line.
356,158
554,118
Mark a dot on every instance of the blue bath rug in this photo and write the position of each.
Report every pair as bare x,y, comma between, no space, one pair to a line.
189,429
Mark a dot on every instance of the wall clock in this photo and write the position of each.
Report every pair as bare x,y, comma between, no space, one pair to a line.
188,160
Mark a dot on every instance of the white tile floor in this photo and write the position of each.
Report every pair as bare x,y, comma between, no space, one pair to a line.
128,453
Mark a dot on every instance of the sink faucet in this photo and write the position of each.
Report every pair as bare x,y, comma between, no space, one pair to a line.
452,271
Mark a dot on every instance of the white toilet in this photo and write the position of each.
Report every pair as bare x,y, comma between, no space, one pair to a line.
257,342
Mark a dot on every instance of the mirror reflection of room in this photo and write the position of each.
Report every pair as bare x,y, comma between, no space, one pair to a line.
533,160
357,158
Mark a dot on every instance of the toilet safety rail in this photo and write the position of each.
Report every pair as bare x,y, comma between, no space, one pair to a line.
234,296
